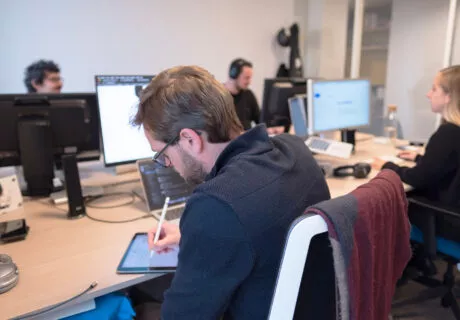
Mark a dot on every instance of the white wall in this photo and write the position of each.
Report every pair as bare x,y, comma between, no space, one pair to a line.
138,37
455,60
301,17
326,38
416,49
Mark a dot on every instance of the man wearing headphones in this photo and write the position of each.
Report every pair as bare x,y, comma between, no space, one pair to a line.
247,108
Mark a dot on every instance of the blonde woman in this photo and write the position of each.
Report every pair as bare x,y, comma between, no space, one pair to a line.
437,173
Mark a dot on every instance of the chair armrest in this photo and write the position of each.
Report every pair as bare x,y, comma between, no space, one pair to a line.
435,206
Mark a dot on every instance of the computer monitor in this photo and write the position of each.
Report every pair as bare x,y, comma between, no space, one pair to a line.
338,104
89,150
298,114
34,132
277,91
118,97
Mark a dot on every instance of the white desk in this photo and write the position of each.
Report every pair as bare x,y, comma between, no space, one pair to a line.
61,257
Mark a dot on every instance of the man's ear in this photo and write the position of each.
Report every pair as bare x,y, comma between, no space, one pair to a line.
191,141
35,84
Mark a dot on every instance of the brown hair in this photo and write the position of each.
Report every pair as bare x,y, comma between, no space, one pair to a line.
187,97
450,84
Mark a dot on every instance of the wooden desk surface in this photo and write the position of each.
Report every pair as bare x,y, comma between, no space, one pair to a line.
366,149
61,257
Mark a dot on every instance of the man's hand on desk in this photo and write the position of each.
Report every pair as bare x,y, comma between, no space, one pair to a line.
169,238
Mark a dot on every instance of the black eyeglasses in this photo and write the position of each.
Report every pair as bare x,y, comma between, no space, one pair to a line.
162,159
55,79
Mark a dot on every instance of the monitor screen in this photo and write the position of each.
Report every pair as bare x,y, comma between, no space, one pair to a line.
118,97
298,115
338,104
277,91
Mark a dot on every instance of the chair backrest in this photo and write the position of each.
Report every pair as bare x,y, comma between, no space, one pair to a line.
305,288
435,220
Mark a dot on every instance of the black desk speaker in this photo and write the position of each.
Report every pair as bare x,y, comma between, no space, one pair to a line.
73,187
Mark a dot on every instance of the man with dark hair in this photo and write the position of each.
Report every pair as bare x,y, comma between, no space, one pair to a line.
239,79
43,76
249,189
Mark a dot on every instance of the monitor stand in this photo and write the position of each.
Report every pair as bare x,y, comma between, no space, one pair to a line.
57,182
348,136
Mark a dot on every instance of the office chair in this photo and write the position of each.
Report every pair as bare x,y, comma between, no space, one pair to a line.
436,229
305,288
343,257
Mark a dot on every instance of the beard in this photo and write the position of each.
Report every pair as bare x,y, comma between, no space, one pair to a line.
194,173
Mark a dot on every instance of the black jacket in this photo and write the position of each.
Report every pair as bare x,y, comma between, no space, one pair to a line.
437,173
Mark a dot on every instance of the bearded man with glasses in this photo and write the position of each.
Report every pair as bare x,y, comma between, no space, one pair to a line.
249,188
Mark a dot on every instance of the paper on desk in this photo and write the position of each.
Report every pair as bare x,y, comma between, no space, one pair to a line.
391,159
386,159
409,148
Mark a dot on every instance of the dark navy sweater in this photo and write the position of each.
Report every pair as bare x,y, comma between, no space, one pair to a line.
234,226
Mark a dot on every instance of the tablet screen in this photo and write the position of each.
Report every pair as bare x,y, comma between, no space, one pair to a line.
137,258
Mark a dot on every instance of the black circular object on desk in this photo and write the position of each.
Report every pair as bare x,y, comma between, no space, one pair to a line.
360,170
9,273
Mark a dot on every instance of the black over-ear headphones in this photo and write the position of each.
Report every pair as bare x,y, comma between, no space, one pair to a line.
360,170
236,66
283,37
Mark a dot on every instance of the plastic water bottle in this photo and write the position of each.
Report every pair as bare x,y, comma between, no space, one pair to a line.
390,129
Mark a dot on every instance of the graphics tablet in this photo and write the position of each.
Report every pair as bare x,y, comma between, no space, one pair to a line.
137,258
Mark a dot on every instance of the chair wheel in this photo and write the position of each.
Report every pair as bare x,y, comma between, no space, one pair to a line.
446,302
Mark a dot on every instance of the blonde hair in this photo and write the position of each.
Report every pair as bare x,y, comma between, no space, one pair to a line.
450,84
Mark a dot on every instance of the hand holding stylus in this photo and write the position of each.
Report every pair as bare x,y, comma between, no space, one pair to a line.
164,236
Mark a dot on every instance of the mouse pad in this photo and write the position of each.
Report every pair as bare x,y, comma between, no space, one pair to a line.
137,258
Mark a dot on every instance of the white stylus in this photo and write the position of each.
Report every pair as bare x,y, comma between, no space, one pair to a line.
160,223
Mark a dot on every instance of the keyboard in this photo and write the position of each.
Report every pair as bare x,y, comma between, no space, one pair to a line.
174,213
319,144
329,147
